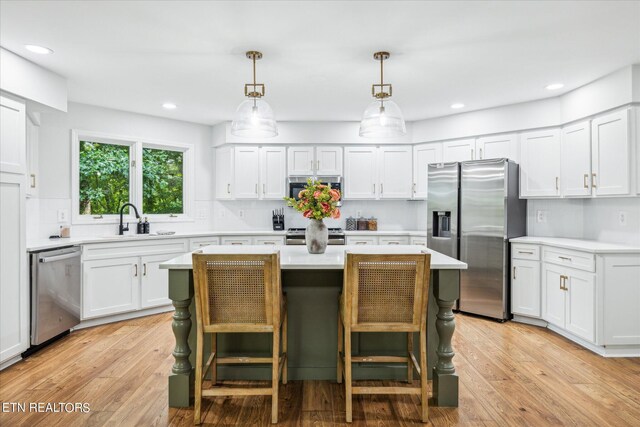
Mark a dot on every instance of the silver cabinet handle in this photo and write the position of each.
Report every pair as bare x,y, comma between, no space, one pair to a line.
317,165
264,189
593,180
236,243
413,188
472,154
229,188
311,164
381,188
584,180
144,269
256,188
268,243
526,252
393,243
136,270
33,180
481,154
361,243
557,183
514,272
98,217
564,258
374,189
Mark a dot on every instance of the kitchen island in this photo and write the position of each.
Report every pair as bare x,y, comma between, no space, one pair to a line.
312,284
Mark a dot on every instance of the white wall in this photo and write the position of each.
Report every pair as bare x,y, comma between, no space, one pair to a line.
55,162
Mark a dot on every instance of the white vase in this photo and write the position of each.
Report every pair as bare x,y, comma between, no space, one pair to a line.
316,235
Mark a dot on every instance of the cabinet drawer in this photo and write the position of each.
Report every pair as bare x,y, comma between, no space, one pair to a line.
230,240
574,259
133,247
521,251
422,241
362,240
393,240
266,240
195,244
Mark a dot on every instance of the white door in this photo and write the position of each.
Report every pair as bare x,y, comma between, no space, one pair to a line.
328,161
394,171
360,173
13,149
33,179
459,151
110,286
576,160
14,287
300,161
540,164
525,287
246,176
273,173
423,155
554,296
497,147
224,173
610,148
581,304
154,282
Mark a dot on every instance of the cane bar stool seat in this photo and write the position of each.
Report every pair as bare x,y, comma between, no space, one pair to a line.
239,293
384,293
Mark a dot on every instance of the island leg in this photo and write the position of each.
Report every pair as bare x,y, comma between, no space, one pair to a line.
445,379
181,379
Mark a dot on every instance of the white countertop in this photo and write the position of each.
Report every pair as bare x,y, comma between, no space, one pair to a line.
297,257
419,233
578,244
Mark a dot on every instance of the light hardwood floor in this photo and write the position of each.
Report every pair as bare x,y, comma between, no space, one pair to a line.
510,374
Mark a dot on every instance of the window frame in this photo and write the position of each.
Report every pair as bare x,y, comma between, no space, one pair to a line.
135,177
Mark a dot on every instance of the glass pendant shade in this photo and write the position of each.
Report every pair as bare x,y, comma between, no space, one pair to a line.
382,119
254,119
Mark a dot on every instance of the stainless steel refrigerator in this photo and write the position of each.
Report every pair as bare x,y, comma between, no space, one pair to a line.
474,210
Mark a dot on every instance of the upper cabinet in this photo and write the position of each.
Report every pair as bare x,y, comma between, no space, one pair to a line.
378,173
360,172
497,147
315,161
394,172
576,160
249,172
13,139
459,150
540,163
423,155
611,154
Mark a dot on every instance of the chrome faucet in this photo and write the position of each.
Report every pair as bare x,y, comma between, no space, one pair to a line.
122,228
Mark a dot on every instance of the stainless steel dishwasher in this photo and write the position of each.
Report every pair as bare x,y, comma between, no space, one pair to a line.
55,292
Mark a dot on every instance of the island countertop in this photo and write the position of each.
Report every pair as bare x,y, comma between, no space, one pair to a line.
297,258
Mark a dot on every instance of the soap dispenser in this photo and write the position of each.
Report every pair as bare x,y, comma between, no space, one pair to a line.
145,225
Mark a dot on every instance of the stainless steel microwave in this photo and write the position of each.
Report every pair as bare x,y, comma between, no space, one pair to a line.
296,186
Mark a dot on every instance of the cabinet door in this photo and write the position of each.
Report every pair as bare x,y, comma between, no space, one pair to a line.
394,171
610,148
423,155
224,173
300,161
13,138
246,172
154,282
33,179
232,240
497,147
360,173
110,286
554,296
267,240
393,240
525,287
581,304
576,160
459,151
540,164
273,173
329,161
14,286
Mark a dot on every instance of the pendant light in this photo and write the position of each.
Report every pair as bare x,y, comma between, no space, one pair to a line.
254,117
382,118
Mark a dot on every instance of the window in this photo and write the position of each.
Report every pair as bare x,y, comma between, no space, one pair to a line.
110,171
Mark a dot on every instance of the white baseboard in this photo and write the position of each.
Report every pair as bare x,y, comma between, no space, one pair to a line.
10,362
123,316
529,320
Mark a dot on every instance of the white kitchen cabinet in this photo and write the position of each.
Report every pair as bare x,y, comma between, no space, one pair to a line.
421,241
393,240
236,240
110,286
459,150
201,242
328,161
360,172
394,172
13,136
621,308
611,154
269,240
33,144
424,155
315,161
525,287
224,173
362,240
497,147
301,161
273,171
576,160
581,305
540,164
554,294
246,175
154,282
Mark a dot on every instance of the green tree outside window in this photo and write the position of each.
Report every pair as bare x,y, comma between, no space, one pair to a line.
104,178
162,181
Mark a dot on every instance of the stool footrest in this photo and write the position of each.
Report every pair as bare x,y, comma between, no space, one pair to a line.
386,390
230,391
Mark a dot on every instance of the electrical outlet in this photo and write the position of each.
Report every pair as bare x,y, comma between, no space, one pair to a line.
358,214
622,218
63,215
541,216
241,213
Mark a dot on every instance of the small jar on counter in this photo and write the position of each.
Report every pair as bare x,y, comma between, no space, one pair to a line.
363,224
372,224
351,223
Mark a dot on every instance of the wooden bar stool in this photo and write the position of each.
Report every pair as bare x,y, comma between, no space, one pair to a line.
239,293
384,293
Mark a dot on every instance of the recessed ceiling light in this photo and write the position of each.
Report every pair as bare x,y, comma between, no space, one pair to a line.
457,105
169,106
555,86
38,49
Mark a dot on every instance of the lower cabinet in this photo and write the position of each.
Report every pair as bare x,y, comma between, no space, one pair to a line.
154,282
414,240
233,240
110,286
393,240
362,240
525,287
200,242
267,240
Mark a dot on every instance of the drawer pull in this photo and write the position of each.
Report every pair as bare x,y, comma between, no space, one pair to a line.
393,243
563,282
136,270
33,180
593,180
564,258
361,243
526,252
514,272
228,188
557,183
236,243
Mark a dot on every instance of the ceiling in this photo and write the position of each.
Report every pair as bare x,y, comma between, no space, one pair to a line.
318,64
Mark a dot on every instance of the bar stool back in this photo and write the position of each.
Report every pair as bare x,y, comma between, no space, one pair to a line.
384,293
239,293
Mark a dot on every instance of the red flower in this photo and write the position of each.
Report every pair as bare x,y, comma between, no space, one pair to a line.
335,214
326,207
308,213
335,194
317,194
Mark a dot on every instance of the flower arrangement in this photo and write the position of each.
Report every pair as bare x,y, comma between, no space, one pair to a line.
317,201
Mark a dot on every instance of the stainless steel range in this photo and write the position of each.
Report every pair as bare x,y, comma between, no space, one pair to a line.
295,236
